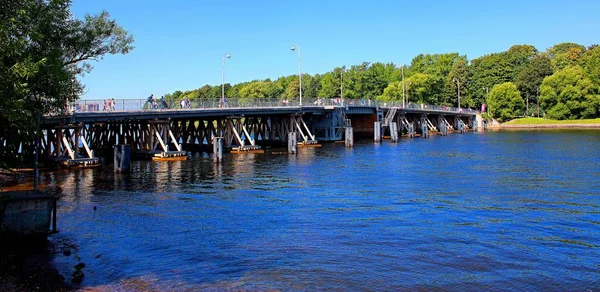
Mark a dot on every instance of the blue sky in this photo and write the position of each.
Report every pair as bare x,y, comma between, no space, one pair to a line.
179,44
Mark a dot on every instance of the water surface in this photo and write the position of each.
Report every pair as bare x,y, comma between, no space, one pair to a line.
495,211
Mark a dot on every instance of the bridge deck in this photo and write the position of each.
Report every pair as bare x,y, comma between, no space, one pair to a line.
121,110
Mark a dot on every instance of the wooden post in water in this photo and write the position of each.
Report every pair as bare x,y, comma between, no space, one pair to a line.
349,137
394,132
377,131
122,158
217,149
292,143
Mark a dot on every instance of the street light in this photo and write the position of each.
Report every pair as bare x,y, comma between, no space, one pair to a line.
458,90
228,56
342,83
293,48
403,100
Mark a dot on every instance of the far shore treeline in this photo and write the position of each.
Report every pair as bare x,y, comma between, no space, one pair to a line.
565,77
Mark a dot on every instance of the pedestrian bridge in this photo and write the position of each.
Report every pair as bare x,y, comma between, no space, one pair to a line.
92,128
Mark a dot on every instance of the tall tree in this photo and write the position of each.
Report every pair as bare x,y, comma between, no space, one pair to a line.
565,54
530,78
420,88
460,73
43,49
487,71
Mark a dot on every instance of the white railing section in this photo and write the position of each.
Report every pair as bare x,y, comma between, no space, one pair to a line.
136,105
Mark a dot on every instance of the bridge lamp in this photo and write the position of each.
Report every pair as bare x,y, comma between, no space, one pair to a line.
228,56
458,90
293,48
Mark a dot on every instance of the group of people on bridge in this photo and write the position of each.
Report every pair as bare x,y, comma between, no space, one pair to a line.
151,102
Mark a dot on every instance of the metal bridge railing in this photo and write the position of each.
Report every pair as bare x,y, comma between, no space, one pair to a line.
120,105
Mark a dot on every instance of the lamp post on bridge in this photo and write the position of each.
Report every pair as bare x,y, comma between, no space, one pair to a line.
228,56
458,90
342,83
293,48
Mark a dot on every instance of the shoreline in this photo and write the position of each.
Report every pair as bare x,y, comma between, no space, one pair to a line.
544,126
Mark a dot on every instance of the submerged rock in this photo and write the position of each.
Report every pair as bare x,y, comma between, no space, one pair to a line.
77,276
79,266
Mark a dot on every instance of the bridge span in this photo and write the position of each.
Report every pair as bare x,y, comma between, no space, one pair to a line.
93,127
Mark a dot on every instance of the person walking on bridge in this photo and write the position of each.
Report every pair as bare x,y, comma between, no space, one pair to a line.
149,101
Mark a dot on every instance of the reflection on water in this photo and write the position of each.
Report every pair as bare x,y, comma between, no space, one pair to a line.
490,211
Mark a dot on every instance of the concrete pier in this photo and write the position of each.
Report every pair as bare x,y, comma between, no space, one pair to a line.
292,143
394,132
217,149
377,131
122,158
349,137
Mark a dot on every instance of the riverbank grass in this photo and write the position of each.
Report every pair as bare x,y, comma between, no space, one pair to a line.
541,121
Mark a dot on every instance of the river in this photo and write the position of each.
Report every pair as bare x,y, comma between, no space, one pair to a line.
507,210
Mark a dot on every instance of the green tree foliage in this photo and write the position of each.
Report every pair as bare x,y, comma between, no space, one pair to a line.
392,92
255,89
569,94
505,101
530,78
565,54
460,72
43,48
519,56
487,71
420,88
590,61
330,83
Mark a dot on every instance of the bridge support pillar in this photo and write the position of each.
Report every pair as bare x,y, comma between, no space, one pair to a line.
377,131
442,126
460,125
424,127
411,130
478,124
217,149
349,137
122,158
394,132
292,143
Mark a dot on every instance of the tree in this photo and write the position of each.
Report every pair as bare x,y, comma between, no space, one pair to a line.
255,89
460,72
505,101
421,88
590,61
43,49
330,83
569,94
392,92
565,54
487,71
519,56
530,78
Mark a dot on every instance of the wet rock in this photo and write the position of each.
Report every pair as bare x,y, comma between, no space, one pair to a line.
77,276
67,252
79,266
